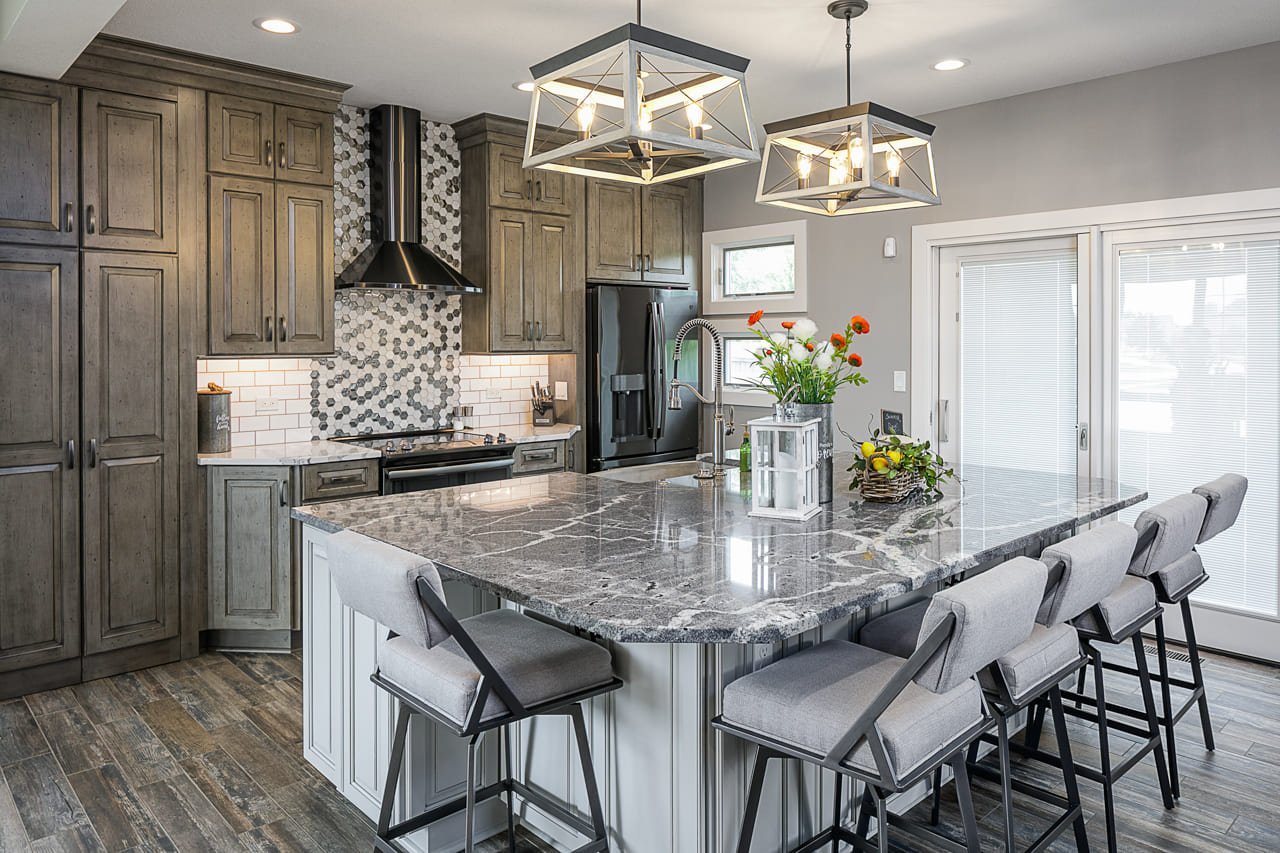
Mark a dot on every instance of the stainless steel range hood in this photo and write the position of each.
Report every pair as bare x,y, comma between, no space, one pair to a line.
396,259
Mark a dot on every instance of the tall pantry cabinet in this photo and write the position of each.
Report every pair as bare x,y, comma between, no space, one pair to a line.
103,309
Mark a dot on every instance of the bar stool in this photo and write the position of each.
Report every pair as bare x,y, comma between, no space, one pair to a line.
469,676
1081,571
883,720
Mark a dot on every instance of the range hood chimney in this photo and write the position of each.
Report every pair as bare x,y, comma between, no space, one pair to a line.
396,259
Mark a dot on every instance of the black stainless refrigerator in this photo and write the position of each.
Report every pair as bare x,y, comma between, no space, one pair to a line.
631,332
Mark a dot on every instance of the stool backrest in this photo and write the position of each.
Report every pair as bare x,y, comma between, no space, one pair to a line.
380,581
1092,564
1225,496
994,613
1177,523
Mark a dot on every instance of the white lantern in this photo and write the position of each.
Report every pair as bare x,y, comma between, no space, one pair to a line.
784,468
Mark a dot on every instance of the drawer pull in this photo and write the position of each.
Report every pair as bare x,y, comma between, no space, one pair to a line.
341,479
540,454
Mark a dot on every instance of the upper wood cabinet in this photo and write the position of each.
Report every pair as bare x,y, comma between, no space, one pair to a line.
129,172
304,269
38,196
513,186
648,234
258,139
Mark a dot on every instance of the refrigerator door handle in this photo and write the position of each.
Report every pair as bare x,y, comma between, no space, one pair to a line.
660,361
651,309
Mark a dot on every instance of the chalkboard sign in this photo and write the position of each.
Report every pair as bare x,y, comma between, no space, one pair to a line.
891,422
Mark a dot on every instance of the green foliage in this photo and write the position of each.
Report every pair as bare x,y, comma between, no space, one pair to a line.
903,457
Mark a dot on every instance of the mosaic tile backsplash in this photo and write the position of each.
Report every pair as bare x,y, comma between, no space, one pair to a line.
398,360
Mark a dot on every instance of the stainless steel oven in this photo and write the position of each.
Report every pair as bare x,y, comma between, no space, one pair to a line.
434,459
438,474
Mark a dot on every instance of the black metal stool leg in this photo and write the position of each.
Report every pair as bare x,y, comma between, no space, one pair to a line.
393,771
1006,779
935,813
882,821
864,813
1193,650
1035,725
588,773
1080,678
759,765
510,774
1153,725
1068,768
1170,745
835,813
1104,748
470,813
965,797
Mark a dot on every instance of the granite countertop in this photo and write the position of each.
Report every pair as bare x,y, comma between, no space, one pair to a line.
678,561
293,453
526,433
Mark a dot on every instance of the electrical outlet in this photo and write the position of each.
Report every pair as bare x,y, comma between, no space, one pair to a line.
562,390
900,380
492,394
268,406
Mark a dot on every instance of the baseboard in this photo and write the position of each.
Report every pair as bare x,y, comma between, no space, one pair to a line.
274,641
36,679
115,662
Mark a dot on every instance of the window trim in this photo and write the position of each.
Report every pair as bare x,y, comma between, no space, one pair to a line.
734,328
714,244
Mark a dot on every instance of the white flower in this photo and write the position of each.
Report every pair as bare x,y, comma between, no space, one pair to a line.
804,329
779,339
822,361
824,347
798,351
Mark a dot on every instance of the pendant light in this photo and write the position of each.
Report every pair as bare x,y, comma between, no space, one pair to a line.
640,106
857,158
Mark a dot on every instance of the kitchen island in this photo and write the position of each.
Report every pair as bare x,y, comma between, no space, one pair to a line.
687,590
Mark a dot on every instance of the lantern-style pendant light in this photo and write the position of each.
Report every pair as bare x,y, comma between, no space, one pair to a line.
857,158
640,106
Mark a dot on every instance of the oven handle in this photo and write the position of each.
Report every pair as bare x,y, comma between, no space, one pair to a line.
487,465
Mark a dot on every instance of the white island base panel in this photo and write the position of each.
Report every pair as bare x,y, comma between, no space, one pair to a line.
669,782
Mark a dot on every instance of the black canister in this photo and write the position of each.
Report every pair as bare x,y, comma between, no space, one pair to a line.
214,417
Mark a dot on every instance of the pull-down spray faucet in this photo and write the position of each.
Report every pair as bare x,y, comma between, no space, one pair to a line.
674,402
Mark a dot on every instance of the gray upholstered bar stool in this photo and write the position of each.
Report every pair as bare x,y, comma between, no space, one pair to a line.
1081,571
470,676
883,720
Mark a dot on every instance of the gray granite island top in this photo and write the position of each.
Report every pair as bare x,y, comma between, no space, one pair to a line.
681,562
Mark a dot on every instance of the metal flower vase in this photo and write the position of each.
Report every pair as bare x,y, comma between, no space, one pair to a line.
826,442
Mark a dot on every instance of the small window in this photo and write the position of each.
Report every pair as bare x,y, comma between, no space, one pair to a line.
762,266
740,366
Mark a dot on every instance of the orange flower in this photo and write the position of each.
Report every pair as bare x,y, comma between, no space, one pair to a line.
788,324
768,352
838,340
855,359
859,325
755,318
809,346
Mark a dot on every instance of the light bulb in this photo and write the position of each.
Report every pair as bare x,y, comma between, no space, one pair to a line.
857,157
895,165
804,165
646,118
693,112
586,115
839,168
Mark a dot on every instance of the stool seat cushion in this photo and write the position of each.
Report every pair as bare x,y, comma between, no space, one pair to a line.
897,631
538,661
1180,576
1026,668
810,699
1122,608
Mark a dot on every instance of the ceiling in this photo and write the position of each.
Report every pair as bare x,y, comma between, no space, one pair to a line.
452,59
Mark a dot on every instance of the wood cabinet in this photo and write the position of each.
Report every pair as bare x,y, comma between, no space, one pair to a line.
39,460
129,172
250,546
270,268
38,194
648,234
258,139
540,457
129,411
538,190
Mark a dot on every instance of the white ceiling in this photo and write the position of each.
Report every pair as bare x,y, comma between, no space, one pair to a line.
453,59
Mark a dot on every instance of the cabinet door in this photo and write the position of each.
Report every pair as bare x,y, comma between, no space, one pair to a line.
509,184
129,419
553,191
668,228
39,479
242,266
304,269
249,548
37,162
554,281
304,146
241,138
511,280
613,231
130,172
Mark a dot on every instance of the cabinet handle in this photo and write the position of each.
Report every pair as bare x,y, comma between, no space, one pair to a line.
283,164
284,488
69,217
266,321
540,454
71,455
269,154
538,190
339,479
90,220
570,465
648,263
284,330
528,335
528,189
637,262
538,325
93,453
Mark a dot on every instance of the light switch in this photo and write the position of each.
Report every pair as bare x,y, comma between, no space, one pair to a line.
268,406
900,380
562,390
891,247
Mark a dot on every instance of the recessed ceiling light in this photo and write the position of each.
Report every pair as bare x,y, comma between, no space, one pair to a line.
278,26
950,64
523,85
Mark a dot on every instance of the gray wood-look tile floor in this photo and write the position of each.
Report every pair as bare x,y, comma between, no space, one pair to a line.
205,755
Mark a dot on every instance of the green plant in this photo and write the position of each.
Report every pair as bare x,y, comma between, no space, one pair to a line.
893,456
800,366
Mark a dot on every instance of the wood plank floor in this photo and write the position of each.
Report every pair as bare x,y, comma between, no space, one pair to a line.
205,755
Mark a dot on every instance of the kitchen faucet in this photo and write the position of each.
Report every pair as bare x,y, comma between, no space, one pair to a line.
719,430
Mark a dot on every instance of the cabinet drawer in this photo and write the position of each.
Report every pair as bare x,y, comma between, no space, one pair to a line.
539,457
330,480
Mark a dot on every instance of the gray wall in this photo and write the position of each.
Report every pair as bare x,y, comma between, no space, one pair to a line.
1203,126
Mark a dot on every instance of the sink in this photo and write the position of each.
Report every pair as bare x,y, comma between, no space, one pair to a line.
684,470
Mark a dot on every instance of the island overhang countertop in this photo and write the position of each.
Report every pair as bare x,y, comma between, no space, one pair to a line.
682,562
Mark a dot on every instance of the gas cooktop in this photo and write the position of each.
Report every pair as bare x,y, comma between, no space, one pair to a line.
424,442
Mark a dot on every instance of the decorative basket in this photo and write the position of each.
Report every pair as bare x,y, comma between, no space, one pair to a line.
877,487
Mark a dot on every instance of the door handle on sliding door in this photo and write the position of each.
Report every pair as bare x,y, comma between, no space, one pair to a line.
944,416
